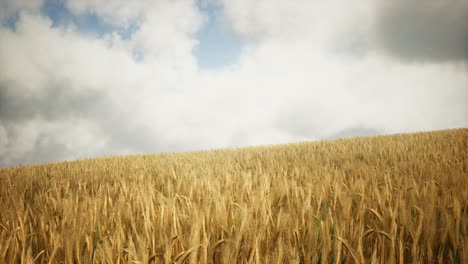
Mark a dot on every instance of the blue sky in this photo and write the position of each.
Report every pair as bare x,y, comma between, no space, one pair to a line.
87,23
218,46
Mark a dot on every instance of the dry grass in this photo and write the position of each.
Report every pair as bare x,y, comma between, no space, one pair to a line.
401,198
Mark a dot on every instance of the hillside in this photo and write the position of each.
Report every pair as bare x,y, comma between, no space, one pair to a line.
399,198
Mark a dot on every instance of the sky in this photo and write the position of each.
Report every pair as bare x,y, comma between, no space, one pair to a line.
89,78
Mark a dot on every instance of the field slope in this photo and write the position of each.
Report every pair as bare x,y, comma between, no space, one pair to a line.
390,199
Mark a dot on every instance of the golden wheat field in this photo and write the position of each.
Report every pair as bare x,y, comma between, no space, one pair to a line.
389,199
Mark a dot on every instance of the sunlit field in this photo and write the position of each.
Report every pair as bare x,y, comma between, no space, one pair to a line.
390,199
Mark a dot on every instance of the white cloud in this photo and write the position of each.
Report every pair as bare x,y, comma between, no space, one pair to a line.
316,21
72,95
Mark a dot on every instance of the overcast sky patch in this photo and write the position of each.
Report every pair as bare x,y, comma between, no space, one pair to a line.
423,31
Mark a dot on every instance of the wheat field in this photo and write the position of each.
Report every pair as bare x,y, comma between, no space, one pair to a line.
388,199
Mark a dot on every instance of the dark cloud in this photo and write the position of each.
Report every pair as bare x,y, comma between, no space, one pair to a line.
423,30
56,101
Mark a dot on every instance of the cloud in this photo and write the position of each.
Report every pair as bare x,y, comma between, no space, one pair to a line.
36,140
55,82
315,21
357,131
65,94
10,8
118,12
423,31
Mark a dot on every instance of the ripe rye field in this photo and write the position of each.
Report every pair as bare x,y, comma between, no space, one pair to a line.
391,199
